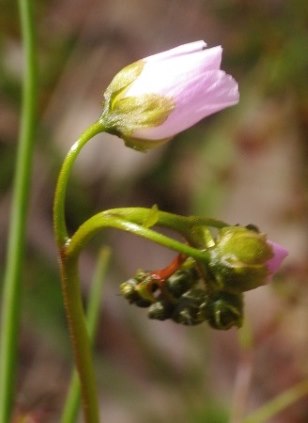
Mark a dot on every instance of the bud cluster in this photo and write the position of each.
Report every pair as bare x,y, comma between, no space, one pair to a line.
189,292
183,297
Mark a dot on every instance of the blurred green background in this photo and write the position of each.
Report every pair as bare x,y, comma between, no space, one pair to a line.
247,164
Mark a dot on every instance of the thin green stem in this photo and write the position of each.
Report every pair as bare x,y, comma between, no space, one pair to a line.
60,194
282,401
17,229
71,406
95,294
79,337
181,224
105,220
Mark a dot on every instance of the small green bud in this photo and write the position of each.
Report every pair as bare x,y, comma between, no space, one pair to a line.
181,281
224,310
238,260
138,290
128,290
161,310
190,309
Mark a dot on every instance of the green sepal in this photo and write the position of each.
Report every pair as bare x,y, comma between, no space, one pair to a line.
121,81
244,244
123,115
128,114
141,145
238,259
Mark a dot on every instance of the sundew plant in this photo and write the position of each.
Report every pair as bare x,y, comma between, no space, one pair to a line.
147,104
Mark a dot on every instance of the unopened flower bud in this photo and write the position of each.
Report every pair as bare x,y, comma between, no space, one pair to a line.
153,99
243,259
190,309
139,290
160,310
128,290
181,281
224,310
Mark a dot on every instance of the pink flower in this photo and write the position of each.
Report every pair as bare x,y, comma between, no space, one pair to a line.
279,254
157,97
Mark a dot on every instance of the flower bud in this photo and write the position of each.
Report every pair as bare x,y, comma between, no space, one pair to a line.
129,290
160,310
139,289
243,259
190,309
153,99
181,281
224,310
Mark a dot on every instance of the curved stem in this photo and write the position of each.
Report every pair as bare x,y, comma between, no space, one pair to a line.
104,220
70,283
60,194
182,224
16,241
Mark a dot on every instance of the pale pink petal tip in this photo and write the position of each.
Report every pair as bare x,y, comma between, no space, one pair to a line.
181,50
279,254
